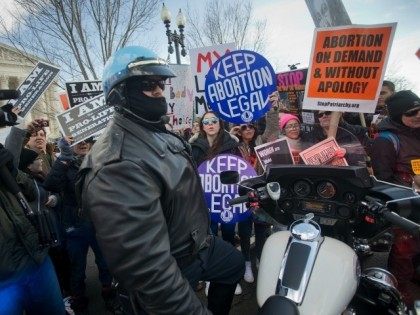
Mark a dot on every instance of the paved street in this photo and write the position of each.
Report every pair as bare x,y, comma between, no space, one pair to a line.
244,304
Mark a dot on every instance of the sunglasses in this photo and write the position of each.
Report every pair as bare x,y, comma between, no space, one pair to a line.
150,85
248,126
320,115
412,112
210,121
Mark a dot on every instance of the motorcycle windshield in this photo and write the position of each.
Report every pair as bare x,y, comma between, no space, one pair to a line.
343,150
314,147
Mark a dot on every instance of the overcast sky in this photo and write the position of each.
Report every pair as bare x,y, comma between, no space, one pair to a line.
290,30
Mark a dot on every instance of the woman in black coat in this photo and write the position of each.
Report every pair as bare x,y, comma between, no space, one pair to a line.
213,140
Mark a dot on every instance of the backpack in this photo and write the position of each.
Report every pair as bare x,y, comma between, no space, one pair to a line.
390,136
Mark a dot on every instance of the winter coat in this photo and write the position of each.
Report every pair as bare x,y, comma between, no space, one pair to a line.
19,247
14,143
62,179
144,196
200,146
387,163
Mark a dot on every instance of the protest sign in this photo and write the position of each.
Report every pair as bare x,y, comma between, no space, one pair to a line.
34,86
217,195
201,61
81,91
323,153
308,118
291,88
238,86
180,97
415,164
327,13
85,120
275,152
347,67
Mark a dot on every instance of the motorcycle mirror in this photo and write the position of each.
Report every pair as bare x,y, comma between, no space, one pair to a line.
229,177
274,191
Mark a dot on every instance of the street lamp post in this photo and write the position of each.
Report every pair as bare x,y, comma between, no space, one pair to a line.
174,37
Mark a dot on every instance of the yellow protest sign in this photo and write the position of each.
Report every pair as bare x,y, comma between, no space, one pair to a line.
415,164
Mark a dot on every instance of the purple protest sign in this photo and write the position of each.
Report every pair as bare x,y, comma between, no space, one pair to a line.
217,194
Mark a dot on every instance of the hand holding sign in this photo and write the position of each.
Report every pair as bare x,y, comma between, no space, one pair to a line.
217,194
238,86
274,99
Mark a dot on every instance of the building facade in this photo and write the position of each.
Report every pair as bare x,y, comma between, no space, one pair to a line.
14,68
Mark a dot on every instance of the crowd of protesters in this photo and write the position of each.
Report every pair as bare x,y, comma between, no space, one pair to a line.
155,235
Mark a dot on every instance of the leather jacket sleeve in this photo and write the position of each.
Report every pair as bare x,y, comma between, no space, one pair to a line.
123,201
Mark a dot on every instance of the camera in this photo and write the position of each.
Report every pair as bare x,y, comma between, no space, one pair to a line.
7,117
9,95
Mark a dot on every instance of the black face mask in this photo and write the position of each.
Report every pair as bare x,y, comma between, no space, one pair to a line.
150,108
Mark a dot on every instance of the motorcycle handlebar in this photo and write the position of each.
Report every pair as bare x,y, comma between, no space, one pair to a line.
240,199
407,225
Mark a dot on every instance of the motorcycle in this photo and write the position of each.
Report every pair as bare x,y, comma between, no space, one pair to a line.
335,215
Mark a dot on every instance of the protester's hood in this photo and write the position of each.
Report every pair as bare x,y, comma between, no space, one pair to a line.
390,125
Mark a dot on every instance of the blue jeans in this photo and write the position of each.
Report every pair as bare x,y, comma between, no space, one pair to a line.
36,291
79,239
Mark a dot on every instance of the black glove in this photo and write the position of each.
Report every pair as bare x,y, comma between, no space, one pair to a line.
6,159
66,152
7,117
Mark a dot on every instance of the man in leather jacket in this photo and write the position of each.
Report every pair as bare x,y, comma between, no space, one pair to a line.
143,194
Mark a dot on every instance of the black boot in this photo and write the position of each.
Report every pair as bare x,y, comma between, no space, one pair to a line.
220,298
79,304
111,299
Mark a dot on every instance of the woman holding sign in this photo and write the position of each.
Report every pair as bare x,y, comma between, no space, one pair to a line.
209,142
290,126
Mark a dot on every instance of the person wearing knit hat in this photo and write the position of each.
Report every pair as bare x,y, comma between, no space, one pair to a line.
403,108
397,144
290,125
27,158
398,141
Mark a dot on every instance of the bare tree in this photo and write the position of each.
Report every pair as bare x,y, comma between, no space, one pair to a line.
400,81
395,74
78,35
224,22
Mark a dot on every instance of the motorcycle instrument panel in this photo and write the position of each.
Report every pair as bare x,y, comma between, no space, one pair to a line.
317,207
326,189
302,188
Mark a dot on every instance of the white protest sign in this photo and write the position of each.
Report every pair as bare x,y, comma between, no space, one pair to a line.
179,94
308,118
201,61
